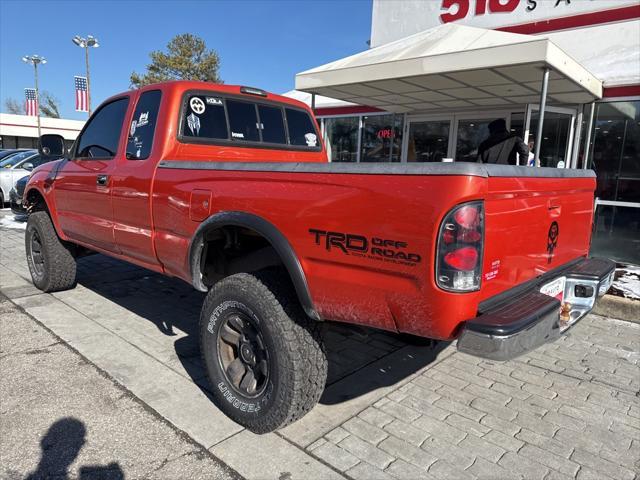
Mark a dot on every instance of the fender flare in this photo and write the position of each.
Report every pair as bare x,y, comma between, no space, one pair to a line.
51,209
271,233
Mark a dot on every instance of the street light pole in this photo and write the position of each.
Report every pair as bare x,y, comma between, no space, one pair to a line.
85,43
35,60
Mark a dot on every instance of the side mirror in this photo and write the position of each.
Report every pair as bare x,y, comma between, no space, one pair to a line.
51,146
27,166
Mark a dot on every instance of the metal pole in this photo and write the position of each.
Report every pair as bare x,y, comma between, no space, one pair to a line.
543,105
86,58
35,68
587,142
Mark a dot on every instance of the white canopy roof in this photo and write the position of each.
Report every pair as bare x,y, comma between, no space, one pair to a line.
321,102
453,66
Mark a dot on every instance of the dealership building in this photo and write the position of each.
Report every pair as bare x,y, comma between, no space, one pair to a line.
21,131
439,71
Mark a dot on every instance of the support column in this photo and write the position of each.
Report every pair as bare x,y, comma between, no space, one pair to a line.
543,106
587,141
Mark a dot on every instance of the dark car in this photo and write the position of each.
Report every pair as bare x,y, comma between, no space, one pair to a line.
11,151
15,196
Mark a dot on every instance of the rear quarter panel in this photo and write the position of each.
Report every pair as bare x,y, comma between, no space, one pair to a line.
344,286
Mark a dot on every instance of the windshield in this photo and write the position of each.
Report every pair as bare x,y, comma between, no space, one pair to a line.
14,159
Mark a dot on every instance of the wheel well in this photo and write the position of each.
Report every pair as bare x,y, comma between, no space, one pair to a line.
35,202
239,242
231,249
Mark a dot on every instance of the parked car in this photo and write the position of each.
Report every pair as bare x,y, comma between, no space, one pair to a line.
229,189
10,151
15,196
14,167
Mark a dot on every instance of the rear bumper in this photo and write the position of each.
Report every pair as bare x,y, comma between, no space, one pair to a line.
530,319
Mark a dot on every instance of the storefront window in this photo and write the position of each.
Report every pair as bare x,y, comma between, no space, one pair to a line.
616,233
381,138
616,151
341,135
428,141
615,157
471,133
517,124
555,138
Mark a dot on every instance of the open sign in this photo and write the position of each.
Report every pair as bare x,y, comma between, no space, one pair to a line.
386,133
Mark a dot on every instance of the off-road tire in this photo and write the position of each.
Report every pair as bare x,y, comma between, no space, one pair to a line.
297,362
1,199
58,271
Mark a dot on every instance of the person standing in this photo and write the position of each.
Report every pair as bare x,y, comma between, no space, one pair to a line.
501,147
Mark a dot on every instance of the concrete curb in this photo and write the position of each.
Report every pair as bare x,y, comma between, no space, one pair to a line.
618,307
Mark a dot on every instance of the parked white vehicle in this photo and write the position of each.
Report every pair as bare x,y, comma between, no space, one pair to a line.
13,168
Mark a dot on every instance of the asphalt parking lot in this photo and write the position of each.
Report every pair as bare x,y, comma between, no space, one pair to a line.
391,410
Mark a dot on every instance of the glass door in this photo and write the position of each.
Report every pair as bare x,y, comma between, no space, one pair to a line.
557,135
471,131
427,140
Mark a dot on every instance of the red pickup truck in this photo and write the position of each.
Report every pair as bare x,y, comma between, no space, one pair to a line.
229,189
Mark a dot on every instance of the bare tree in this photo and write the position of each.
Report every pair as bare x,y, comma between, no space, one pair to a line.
11,105
49,105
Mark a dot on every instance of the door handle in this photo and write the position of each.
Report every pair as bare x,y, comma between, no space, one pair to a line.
102,180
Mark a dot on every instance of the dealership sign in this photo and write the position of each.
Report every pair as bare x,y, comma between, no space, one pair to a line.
503,13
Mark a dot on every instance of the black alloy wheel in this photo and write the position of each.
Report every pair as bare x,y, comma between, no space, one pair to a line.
242,354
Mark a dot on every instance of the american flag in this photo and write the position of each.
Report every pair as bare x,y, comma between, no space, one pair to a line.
31,105
82,100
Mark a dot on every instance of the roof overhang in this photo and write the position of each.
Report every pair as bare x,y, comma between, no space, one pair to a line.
452,67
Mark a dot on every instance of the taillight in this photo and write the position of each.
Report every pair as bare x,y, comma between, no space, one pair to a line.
459,249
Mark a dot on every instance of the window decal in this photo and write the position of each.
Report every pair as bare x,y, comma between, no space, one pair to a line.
193,122
143,120
311,139
197,105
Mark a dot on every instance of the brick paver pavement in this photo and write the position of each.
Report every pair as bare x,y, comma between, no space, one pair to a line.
570,409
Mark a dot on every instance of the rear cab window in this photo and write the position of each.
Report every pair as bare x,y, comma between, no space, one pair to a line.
207,118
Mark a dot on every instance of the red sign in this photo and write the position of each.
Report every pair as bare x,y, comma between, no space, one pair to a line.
461,8
386,133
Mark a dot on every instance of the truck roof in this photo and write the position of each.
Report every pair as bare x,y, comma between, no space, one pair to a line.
180,86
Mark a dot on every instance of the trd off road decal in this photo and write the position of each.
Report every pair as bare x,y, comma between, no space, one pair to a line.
373,248
552,240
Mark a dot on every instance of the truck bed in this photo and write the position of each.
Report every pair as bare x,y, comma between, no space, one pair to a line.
396,207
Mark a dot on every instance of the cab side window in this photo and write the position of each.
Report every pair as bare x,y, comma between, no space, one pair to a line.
143,125
99,140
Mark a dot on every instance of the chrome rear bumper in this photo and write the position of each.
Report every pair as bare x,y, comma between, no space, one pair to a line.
530,319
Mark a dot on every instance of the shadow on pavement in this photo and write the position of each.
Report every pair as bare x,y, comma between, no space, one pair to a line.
60,447
172,304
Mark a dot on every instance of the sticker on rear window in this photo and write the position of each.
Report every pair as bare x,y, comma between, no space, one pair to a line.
214,101
193,122
197,105
311,139
237,135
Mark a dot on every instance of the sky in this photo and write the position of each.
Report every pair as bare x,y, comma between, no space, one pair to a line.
260,43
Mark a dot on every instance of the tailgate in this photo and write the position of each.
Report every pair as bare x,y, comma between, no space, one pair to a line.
533,225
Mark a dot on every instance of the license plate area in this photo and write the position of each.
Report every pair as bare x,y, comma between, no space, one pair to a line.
554,288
